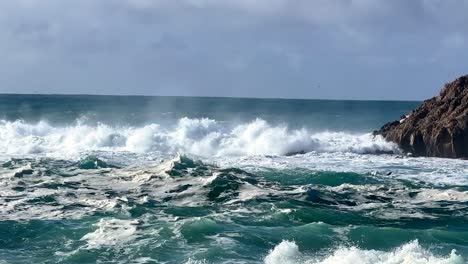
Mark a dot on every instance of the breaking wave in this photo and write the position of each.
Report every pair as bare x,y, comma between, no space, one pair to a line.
203,137
287,252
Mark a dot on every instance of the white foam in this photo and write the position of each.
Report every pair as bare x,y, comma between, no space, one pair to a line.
194,261
411,253
431,170
441,195
286,252
203,137
111,232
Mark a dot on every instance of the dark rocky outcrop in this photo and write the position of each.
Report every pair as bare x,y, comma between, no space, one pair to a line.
438,127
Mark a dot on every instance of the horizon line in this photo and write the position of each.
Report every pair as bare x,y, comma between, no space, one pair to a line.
206,96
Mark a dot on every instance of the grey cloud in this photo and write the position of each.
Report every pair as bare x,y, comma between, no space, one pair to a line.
265,48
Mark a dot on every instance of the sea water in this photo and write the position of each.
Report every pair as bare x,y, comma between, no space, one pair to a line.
112,179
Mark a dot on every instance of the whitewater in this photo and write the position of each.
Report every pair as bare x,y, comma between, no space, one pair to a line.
98,179
204,137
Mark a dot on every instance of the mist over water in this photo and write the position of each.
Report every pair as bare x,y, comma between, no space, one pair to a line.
137,111
86,179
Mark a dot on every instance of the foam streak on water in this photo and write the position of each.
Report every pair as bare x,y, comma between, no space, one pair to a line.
90,209
211,180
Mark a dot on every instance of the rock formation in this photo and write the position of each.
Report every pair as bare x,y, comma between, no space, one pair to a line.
438,127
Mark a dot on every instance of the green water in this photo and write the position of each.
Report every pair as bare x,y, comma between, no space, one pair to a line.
207,180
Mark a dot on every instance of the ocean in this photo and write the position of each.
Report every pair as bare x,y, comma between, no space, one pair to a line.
123,179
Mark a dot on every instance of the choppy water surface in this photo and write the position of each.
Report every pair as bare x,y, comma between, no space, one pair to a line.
232,181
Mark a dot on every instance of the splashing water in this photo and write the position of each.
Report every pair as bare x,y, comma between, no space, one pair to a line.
204,137
213,180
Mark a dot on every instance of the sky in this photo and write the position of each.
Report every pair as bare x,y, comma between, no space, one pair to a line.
323,49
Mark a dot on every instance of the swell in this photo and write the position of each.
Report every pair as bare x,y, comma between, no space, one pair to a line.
50,189
203,137
92,210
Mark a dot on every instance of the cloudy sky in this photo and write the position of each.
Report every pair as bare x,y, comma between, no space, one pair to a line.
333,49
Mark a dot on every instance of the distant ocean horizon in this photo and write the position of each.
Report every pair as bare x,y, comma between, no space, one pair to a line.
208,96
176,179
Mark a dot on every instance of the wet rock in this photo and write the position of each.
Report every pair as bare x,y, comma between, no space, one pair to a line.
438,127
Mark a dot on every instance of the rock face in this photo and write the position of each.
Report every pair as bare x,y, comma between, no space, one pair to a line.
438,127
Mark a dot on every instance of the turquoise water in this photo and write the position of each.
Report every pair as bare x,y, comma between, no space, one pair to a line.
98,179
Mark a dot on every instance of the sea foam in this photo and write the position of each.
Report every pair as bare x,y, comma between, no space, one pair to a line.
203,137
287,252
111,232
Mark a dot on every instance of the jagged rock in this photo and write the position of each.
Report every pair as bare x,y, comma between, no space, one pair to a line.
438,127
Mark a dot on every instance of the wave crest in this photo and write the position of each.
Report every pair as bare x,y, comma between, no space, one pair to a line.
288,253
203,137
